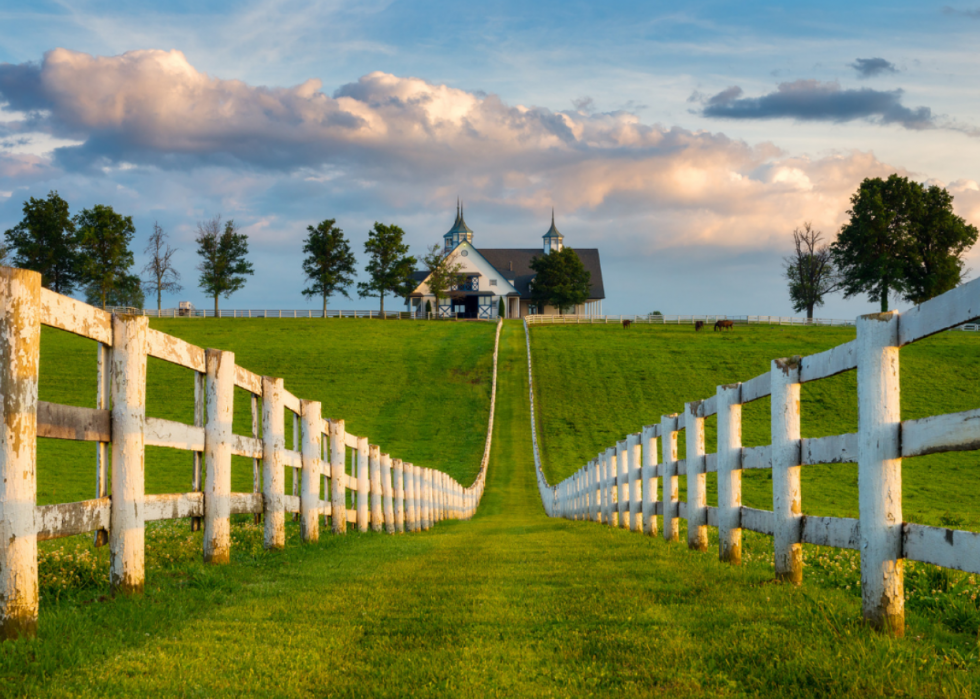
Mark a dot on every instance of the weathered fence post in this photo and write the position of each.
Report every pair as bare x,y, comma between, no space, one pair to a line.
786,457
386,491
649,438
219,406
697,493
729,456
20,344
377,514
399,478
273,476
623,488
363,484
256,465
410,511
338,477
200,410
633,447
607,503
309,494
426,479
102,402
126,523
880,472
668,445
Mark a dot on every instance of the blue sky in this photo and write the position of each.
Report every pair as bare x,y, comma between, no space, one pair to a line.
683,142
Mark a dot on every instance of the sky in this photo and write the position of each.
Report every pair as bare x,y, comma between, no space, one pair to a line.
684,141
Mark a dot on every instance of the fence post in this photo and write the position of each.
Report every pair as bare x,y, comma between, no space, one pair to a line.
20,344
729,455
256,465
668,439
786,500
273,477
377,514
426,483
622,487
697,493
608,471
399,478
410,503
880,472
309,494
200,402
338,477
363,484
649,439
220,402
386,491
633,447
102,402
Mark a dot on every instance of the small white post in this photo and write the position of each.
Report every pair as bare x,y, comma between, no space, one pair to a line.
126,518
363,484
273,477
399,478
633,447
219,406
410,518
623,488
880,473
649,440
309,497
786,457
377,514
338,477
386,491
605,488
426,483
20,346
668,444
697,492
729,455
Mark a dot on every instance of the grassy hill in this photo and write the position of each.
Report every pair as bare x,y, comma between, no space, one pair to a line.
419,390
597,383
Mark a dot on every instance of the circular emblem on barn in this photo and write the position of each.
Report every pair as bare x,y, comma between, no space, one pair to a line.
464,253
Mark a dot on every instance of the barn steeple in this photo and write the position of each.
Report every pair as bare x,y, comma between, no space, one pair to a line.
553,240
459,233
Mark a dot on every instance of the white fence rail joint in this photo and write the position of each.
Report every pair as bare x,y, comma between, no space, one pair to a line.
603,493
418,495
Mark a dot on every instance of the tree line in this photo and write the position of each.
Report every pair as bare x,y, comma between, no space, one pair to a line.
901,237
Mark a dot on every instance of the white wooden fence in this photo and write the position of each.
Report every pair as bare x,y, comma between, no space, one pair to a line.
620,486
386,493
681,320
284,313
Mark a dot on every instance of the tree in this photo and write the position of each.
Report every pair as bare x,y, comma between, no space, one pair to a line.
560,280
809,270
104,257
444,272
389,264
223,265
163,276
128,293
501,308
45,242
329,265
937,239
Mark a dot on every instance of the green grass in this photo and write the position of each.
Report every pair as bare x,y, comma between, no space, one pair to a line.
509,604
419,390
596,384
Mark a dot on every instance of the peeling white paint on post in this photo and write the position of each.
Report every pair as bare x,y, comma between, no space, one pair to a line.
377,514
880,472
126,526
219,405
419,496
633,447
102,448
410,511
363,484
273,476
649,445
256,465
729,402
197,477
387,492
786,460
668,440
338,477
399,509
309,497
697,486
20,344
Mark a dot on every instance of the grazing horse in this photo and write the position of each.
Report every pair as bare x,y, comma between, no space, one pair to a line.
698,324
724,324
627,324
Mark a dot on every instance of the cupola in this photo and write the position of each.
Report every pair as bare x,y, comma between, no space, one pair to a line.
553,239
459,233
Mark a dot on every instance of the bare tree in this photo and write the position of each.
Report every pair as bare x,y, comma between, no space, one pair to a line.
163,276
810,270
444,273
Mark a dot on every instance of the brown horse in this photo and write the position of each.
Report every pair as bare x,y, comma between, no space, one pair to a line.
698,325
724,324
627,324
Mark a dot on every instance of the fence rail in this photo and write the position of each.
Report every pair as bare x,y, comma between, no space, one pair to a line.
385,493
691,319
621,486
284,313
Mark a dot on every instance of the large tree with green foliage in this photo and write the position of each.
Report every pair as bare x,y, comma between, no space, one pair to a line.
389,264
809,270
104,257
224,262
560,280
444,272
45,242
901,237
329,263
127,293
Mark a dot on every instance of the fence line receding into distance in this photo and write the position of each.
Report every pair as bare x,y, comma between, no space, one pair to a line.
620,486
385,493
691,319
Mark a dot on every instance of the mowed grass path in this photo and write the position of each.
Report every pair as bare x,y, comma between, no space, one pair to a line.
509,604
597,383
